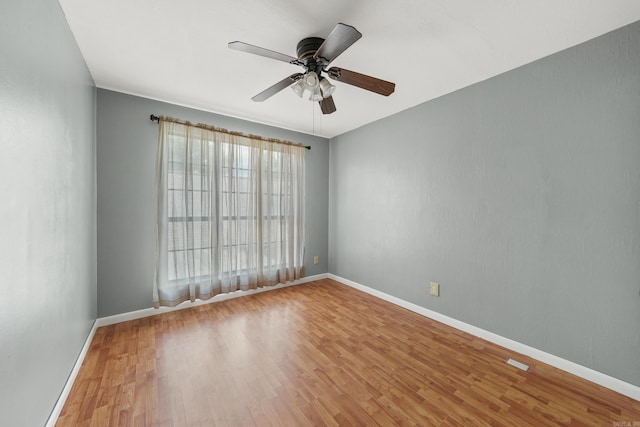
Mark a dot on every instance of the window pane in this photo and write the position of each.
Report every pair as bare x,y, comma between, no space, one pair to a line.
197,203
176,237
175,180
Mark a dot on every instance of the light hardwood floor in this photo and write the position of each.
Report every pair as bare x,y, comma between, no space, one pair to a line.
320,354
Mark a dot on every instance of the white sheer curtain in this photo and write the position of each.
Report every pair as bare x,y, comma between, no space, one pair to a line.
230,213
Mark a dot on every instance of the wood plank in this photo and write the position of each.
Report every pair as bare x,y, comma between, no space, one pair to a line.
319,354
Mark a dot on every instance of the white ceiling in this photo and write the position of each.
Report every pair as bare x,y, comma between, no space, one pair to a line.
176,51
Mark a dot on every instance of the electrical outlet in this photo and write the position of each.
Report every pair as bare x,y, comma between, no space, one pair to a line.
435,289
316,260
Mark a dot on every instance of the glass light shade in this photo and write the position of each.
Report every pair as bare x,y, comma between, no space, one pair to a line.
327,88
316,95
298,88
311,80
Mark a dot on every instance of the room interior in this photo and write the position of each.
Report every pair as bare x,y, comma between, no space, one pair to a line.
503,167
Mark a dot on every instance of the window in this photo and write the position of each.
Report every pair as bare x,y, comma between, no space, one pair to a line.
234,213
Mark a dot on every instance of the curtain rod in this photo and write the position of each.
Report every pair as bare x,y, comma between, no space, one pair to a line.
156,118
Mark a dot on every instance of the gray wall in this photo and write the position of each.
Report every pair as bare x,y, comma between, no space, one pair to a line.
519,194
127,146
48,208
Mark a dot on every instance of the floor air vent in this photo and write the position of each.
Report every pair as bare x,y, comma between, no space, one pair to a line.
518,364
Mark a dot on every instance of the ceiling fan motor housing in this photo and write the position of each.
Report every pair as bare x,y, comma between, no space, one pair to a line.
306,49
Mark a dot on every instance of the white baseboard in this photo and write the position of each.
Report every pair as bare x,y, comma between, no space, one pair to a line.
132,315
589,374
57,409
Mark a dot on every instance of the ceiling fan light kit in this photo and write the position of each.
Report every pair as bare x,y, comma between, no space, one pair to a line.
315,54
318,87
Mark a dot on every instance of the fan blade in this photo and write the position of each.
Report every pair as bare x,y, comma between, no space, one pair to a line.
327,105
282,84
248,48
373,84
337,42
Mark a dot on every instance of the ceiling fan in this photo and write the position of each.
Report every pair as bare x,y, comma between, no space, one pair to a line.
315,54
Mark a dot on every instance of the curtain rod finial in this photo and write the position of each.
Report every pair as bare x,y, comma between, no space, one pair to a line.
154,118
